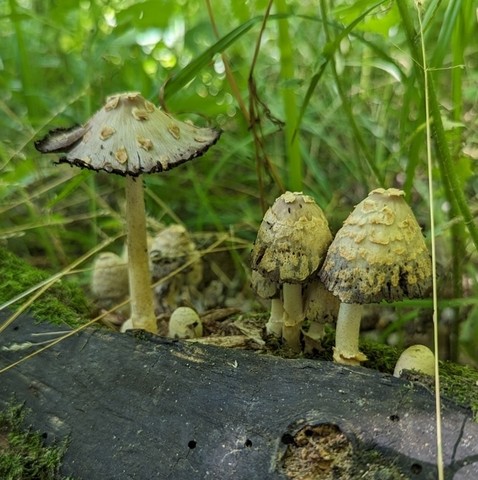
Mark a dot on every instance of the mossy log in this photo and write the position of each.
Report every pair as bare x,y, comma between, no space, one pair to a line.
137,406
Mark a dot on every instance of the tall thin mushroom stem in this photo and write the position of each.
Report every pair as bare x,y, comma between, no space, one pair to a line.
142,304
347,333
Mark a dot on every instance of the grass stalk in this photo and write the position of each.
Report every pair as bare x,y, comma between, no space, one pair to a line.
451,183
24,62
439,435
362,146
291,112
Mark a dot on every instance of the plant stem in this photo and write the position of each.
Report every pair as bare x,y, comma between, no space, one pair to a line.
451,183
142,305
24,63
362,145
292,145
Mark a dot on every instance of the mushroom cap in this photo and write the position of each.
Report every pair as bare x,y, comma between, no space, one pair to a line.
379,253
264,287
417,357
129,136
171,249
185,323
292,239
109,278
320,305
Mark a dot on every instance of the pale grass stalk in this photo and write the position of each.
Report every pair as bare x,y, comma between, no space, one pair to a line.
439,435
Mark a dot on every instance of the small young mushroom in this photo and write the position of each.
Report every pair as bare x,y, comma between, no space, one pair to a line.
176,263
378,254
185,323
321,308
130,136
417,357
109,280
291,244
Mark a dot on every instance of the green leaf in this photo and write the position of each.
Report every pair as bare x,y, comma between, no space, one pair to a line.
192,69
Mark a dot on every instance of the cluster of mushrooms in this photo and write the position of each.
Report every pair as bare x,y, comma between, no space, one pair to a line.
379,254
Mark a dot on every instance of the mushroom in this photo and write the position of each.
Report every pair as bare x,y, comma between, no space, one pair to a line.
417,357
378,254
320,308
291,244
176,264
130,136
109,280
185,323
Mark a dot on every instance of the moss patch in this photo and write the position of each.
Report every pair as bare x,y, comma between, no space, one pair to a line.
62,303
458,383
23,455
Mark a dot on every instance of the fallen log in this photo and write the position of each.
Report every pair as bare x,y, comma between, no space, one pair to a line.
144,407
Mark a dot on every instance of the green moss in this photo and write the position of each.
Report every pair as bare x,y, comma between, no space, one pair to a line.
23,455
62,303
460,383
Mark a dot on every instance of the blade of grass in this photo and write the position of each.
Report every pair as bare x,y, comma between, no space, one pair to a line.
327,53
451,183
347,107
292,145
439,435
24,62
174,84
43,287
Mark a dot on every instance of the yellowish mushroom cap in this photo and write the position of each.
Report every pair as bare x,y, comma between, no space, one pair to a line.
417,357
129,136
292,239
185,323
379,253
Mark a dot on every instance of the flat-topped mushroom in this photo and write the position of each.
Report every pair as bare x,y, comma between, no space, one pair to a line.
130,136
378,254
291,244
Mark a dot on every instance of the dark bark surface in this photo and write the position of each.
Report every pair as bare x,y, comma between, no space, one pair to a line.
138,407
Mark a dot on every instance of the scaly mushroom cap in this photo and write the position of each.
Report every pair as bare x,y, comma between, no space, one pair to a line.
171,249
379,253
292,239
129,136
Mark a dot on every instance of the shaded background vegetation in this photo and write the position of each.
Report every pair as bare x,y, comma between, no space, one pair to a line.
324,97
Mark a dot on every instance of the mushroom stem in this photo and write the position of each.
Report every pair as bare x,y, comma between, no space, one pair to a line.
274,325
142,304
293,314
347,334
